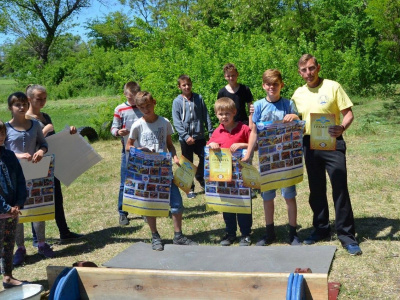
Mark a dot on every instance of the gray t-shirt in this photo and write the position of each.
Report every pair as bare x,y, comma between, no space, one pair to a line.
152,135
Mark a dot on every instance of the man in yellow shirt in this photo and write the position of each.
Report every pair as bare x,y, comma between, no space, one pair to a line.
321,95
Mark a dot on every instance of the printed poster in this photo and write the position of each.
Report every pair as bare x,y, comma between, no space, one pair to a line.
220,165
280,153
227,196
319,136
184,175
39,205
148,183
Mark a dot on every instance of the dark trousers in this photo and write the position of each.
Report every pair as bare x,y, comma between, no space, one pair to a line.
334,163
58,211
245,222
198,149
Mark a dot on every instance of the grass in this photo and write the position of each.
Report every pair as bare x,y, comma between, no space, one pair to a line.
373,167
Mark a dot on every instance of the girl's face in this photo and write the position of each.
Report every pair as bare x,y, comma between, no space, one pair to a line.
19,108
38,100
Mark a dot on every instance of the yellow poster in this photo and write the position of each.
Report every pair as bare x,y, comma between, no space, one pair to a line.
251,176
319,137
220,165
184,175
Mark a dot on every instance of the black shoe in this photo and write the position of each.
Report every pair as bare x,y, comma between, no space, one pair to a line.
156,242
316,237
266,240
228,239
71,236
245,241
183,240
294,240
123,220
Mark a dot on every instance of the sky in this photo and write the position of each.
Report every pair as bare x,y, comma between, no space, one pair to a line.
97,10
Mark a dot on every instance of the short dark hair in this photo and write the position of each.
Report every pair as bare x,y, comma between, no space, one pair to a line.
16,97
230,67
184,77
305,58
132,87
3,127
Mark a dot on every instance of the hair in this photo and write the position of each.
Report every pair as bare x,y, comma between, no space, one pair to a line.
184,77
3,128
272,76
143,97
17,97
224,104
230,67
305,58
131,87
31,88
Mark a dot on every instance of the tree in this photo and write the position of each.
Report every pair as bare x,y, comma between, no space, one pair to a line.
39,22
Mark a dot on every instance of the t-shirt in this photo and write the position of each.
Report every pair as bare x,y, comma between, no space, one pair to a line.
273,111
152,135
242,96
328,98
225,139
124,116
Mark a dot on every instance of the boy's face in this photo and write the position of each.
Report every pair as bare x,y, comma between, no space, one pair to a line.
273,89
231,76
186,87
130,97
2,136
225,117
38,99
147,108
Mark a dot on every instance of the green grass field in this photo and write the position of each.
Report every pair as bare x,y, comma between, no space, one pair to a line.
373,172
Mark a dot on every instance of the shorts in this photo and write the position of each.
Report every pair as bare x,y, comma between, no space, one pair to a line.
175,200
287,193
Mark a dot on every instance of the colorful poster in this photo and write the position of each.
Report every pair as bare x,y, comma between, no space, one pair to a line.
39,205
280,153
148,183
319,136
227,196
220,162
251,176
184,175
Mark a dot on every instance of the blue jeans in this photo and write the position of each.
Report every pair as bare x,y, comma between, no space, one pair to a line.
245,222
175,200
122,182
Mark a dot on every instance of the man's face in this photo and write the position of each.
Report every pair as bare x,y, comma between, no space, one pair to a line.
309,72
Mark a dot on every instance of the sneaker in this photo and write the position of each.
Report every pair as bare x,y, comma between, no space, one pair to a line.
245,241
316,237
19,256
266,240
294,241
123,220
353,249
46,251
191,194
183,240
35,243
71,236
228,240
156,242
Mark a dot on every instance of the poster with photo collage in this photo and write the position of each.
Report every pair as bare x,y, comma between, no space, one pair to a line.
280,153
148,183
227,196
39,205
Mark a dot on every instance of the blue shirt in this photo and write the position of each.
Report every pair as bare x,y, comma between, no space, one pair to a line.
273,111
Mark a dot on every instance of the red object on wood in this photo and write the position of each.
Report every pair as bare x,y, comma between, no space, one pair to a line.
300,270
333,290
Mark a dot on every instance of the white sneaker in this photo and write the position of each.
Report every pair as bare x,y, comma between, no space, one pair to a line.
191,194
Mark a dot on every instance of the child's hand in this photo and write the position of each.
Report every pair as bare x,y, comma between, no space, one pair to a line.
26,156
246,158
37,156
190,141
176,160
251,109
145,149
290,118
72,130
123,132
214,146
237,146
14,212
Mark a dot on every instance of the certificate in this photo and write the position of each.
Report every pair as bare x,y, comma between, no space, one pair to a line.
319,137
183,177
251,176
220,165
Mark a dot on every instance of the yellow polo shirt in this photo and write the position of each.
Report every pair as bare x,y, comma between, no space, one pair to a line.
327,98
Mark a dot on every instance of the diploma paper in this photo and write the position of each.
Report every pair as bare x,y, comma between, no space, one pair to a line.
184,175
319,137
251,176
35,170
73,153
220,165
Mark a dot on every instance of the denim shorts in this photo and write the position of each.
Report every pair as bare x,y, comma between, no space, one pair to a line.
175,200
287,193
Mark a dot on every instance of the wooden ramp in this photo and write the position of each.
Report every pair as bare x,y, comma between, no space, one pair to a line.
205,272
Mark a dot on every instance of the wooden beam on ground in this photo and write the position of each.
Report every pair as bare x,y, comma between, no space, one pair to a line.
113,283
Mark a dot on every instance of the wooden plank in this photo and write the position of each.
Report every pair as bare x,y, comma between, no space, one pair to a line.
107,283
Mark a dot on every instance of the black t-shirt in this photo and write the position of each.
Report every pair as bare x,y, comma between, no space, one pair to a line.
242,96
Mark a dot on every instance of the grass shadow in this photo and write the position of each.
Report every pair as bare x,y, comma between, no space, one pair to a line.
377,228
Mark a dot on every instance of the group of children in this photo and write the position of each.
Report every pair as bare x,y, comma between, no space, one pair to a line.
137,118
